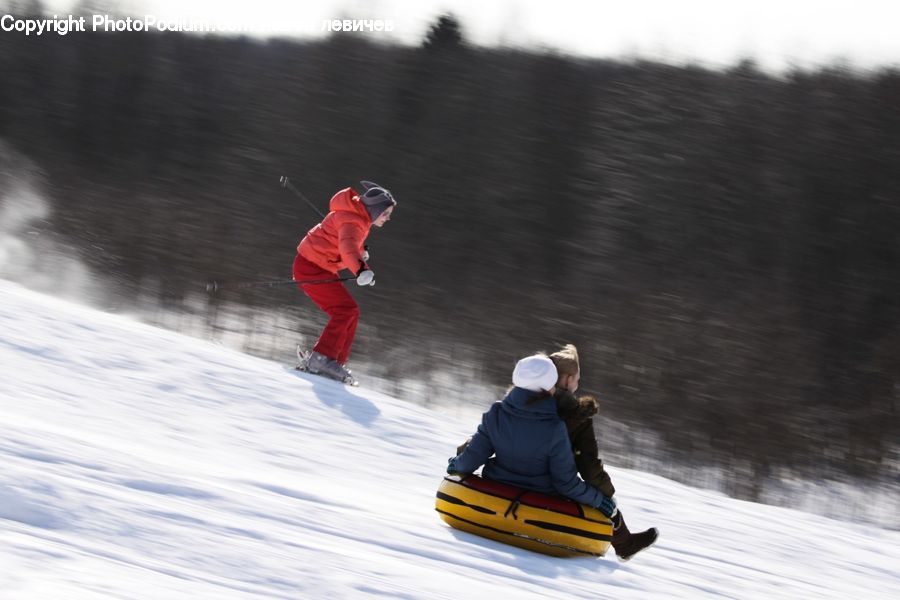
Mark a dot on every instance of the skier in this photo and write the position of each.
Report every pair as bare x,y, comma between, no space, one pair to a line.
338,242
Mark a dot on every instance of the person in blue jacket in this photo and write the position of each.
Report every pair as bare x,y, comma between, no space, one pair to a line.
528,441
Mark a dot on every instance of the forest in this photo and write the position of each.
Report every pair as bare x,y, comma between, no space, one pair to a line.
721,245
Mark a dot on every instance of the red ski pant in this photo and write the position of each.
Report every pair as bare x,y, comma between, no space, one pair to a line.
336,301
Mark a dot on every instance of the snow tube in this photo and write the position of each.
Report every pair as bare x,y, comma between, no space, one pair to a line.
547,524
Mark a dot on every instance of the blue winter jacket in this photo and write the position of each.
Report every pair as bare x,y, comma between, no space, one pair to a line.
531,448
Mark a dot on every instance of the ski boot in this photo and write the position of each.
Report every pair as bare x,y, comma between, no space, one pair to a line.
319,364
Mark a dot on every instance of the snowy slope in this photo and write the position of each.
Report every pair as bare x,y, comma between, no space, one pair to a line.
137,463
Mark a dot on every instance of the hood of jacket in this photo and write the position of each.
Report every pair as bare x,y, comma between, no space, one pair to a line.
338,241
529,405
574,410
349,202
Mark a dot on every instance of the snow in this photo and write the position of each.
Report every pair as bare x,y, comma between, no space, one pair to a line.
139,463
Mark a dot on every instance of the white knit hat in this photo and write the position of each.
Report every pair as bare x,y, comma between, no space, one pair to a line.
536,373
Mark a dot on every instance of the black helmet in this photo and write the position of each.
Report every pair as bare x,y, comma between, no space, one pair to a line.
376,199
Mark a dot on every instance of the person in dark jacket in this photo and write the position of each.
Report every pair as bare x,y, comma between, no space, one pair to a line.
528,440
577,414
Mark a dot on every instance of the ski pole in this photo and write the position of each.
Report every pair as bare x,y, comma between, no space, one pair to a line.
286,183
214,286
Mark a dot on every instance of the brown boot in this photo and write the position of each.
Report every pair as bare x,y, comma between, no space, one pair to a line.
628,544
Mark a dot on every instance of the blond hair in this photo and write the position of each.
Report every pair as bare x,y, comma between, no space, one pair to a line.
566,360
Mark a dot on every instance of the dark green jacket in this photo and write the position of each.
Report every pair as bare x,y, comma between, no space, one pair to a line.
578,415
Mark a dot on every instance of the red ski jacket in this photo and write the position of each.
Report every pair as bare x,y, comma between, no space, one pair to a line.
337,242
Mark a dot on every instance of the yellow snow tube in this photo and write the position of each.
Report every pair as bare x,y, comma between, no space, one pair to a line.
547,524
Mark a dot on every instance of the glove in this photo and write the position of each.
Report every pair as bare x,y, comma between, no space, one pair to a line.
365,255
365,277
451,467
608,506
